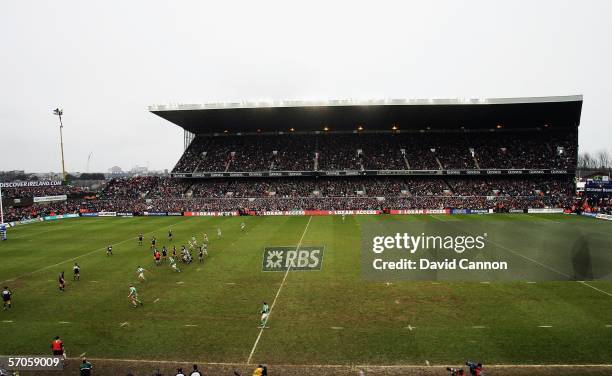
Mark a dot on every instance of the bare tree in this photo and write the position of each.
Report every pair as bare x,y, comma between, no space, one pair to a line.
585,160
603,158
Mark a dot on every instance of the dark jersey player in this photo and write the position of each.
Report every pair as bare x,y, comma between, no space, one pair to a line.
109,250
62,282
77,272
140,238
170,234
6,298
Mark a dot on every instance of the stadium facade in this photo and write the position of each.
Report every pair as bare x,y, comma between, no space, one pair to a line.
398,125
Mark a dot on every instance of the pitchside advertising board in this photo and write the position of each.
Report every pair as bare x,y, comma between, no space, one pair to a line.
318,212
33,183
211,214
598,188
371,172
50,198
282,259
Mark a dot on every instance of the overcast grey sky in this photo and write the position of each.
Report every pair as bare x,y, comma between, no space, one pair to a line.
104,62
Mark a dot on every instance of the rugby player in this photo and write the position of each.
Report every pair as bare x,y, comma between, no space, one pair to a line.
164,254
62,282
6,298
201,254
265,312
76,269
140,272
173,265
133,296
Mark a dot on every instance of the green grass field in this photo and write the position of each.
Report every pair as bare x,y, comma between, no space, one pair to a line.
210,312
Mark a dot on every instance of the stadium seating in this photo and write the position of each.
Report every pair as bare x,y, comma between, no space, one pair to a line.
380,151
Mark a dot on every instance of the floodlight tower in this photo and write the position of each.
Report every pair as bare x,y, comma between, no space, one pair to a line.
59,114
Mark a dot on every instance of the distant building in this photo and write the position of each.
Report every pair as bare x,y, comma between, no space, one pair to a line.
138,170
115,170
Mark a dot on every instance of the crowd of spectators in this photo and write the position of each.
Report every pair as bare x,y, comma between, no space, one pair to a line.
130,188
525,150
517,186
594,204
536,149
164,194
40,191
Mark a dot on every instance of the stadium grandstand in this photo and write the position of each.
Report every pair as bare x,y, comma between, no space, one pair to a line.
387,156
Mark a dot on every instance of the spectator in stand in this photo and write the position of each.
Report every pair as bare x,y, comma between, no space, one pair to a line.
177,195
40,191
381,151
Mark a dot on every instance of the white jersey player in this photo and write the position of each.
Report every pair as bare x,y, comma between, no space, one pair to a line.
140,272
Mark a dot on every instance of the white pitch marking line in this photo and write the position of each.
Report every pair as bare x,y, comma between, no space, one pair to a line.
190,325
479,327
608,326
410,327
545,326
7,321
595,288
230,283
435,283
63,322
156,300
93,281
123,324
545,266
337,327
278,292
82,355
180,282
530,282
485,282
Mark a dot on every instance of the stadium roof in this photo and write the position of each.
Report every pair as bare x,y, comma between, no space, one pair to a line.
346,115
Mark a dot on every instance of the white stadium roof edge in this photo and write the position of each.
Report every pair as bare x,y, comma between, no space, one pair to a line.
356,102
